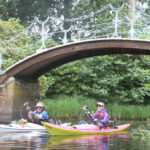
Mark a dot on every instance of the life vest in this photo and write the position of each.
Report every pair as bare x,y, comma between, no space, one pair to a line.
38,121
101,116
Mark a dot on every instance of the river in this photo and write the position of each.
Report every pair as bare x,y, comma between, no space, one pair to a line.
136,138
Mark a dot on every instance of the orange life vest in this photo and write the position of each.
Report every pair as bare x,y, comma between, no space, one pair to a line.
102,115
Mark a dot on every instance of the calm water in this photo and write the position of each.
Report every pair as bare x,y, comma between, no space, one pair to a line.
137,138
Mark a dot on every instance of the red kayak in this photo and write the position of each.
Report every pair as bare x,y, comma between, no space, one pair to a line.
83,129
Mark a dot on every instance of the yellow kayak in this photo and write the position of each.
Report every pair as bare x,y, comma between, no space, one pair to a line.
83,129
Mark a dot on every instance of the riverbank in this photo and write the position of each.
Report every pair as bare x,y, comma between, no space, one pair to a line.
71,107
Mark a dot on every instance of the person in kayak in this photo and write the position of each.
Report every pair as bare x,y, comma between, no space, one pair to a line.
38,115
100,117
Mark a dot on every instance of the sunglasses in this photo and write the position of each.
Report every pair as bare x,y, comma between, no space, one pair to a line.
40,107
99,106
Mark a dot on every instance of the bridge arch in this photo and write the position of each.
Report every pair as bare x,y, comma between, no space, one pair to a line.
13,94
37,64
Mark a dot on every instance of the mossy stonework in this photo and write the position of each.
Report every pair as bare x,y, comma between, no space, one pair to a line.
12,96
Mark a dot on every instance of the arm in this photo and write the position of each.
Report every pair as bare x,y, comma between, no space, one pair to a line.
32,115
96,114
44,115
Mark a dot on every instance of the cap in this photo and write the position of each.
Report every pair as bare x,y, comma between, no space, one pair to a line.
40,104
100,103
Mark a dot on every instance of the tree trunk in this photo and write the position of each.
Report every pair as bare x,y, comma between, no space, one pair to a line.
131,9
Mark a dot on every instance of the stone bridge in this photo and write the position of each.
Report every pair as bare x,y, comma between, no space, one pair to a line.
19,82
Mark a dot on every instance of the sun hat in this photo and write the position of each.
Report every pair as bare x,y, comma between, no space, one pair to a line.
40,104
100,103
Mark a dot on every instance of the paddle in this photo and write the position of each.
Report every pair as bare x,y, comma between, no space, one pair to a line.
26,104
92,119
30,114
85,108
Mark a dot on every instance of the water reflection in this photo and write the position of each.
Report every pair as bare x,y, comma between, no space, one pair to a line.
26,141
37,141
91,142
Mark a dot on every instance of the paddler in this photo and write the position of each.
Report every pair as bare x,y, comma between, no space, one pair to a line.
38,115
100,117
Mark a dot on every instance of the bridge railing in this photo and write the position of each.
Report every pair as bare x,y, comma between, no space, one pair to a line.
108,22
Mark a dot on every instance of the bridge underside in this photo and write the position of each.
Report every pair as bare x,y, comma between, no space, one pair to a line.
38,64
40,68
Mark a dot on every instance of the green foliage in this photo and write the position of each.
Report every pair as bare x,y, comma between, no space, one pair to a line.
26,10
68,106
9,28
43,86
16,43
121,78
86,6
71,107
129,112
64,80
145,35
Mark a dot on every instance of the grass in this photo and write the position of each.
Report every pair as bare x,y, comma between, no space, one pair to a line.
68,107
129,112
71,107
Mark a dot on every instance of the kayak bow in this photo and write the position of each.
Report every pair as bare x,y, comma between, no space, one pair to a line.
83,129
21,128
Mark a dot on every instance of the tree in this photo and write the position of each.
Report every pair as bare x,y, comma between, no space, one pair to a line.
132,7
121,78
15,44
26,10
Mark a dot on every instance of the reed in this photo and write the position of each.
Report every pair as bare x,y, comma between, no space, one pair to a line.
71,107
65,106
129,112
